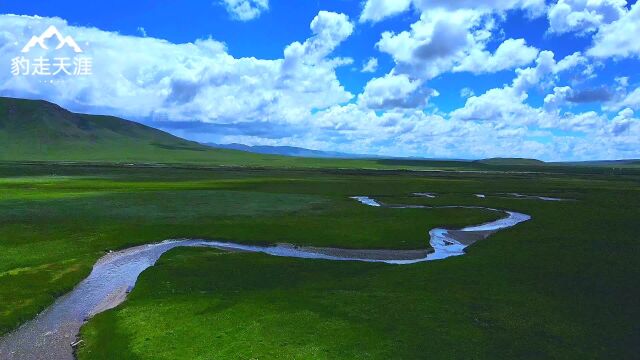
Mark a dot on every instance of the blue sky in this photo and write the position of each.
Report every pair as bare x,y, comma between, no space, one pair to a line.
555,80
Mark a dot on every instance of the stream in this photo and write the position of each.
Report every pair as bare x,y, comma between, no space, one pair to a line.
51,333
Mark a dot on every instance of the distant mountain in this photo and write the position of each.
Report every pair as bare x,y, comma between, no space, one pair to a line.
37,130
628,163
40,130
511,161
290,151
607,163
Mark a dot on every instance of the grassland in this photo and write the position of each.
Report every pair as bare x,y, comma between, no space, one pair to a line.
55,221
563,285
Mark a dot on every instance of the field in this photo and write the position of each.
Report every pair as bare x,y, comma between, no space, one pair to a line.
563,285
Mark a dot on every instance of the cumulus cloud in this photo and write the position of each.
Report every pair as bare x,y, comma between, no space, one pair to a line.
433,44
584,16
626,100
181,82
622,81
619,38
453,40
534,6
624,122
507,104
394,91
370,66
376,10
553,101
467,92
329,30
598,94
414,133
198,90
510,54
565,95
245,10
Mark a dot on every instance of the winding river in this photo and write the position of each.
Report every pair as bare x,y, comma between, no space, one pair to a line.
50,334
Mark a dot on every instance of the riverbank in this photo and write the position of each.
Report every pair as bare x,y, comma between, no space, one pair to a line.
116,272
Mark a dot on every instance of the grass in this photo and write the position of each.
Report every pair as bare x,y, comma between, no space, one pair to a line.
563,285
54,227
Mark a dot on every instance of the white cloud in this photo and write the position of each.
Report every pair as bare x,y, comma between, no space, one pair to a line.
245,10
565,95
453,40
534,6
619,38
624,124
506,105
370,66
632,100
584,16
552,102
433,45
376,10
467,92
329,30
627,100
512,53
394,91
179,82
622,81
298,99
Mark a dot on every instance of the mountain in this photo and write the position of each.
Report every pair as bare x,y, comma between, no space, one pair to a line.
290,151
511,161
607,163
39,130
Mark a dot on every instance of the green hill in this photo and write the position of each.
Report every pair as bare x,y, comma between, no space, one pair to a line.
607,163
36,130
511,161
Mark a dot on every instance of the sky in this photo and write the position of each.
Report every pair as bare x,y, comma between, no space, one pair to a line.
466,79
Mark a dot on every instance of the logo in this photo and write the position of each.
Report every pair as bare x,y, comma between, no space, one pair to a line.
48,34
55,66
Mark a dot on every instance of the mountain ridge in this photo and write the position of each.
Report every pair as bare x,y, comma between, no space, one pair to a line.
291,151
38,130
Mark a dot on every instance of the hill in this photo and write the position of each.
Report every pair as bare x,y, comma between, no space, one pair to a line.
511,161
607,163
290,151
36,130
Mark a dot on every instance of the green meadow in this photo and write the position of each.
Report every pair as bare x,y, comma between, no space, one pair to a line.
54,224
562,285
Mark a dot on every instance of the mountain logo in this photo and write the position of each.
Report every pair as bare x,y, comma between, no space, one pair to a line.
48,34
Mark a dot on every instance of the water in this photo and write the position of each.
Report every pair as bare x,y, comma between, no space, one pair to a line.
446,244
425,194
535,197
51,333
